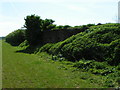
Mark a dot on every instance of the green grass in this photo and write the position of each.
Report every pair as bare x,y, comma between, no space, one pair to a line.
22,70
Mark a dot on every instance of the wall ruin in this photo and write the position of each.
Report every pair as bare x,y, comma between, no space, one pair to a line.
58,35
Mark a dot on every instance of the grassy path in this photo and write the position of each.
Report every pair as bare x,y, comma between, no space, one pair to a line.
22,70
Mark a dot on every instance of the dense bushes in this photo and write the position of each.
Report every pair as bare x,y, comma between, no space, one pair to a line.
46,47
95,42
100,43
81,28
110,73
16,37
115,51
95,67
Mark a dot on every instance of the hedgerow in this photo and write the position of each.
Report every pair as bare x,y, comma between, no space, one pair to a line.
100,43
16,37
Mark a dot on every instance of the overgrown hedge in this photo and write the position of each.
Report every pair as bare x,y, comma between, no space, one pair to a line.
100,43
16,37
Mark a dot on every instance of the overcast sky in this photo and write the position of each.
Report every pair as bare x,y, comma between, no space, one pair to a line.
64,12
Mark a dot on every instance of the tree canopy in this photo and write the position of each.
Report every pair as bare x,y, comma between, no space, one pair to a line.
34,26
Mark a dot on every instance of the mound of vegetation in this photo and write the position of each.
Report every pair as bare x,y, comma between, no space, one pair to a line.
99,43
95,42
16,37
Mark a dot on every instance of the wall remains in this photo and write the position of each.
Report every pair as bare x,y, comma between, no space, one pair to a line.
58,35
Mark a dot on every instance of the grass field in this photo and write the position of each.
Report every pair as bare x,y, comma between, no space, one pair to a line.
22,70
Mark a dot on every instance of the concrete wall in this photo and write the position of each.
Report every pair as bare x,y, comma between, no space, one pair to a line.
58,35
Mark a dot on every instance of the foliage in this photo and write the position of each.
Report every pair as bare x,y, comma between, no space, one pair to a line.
46,47
47,24
62,27
100,43
16,37
24,43
115,52
35,25
99,68
33,32
110,73
67,27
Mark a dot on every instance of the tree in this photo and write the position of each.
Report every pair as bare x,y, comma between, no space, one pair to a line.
35,25
47,24
33,29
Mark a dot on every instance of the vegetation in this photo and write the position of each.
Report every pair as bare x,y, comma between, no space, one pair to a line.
48,25
99,43
92,53
22,70
34,26
46,71
16,37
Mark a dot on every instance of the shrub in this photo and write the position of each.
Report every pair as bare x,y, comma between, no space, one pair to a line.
24,43
99,65
99,43
115,52
84,64
118,67
118,80
46,47
15,38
